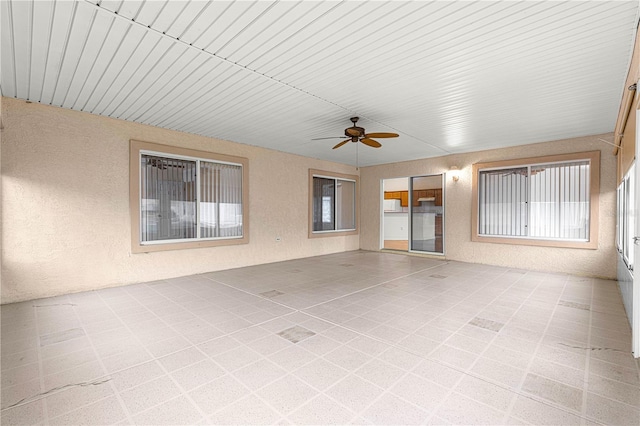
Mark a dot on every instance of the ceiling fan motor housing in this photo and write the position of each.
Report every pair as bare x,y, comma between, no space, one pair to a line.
354,132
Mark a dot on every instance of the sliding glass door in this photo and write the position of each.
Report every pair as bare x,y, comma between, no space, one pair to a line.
426,214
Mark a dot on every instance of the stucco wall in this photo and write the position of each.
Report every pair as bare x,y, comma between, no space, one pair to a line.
458,244
65,205
65,210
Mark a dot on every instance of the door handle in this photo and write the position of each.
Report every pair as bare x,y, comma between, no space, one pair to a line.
635,240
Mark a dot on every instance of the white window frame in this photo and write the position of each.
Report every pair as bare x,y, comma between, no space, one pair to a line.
594,189
336,177
139,148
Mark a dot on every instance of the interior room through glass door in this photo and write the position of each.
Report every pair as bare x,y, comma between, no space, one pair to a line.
426,213
395,214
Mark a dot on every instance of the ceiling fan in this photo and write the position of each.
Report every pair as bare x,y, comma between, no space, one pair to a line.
357,134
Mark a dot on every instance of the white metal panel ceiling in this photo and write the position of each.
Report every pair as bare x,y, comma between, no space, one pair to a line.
448,76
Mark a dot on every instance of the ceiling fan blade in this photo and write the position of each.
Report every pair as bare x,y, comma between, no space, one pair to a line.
352,131
381,135
332,137
371,142
341,143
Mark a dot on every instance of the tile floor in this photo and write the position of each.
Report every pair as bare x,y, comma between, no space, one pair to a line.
359,337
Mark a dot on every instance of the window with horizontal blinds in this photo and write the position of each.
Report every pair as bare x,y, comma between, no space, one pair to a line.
540,201
189,199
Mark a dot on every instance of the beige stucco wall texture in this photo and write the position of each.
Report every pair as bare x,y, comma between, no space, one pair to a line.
65,205
458,199
66,221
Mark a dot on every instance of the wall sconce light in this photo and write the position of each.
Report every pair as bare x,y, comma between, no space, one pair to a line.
455,173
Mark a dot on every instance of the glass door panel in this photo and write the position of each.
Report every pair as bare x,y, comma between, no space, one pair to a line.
426,213
395,214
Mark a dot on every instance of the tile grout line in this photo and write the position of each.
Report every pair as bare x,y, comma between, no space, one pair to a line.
464,372
127,414
421,356
533,354
516,391
300,310
428,413
528,368
393,344
377,285
585,381
468,371
287,373
107,375
360,414
322,357
45,411
154,358
327,301
162,367
228,372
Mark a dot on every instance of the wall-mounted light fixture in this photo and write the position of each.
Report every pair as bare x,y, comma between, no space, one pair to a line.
455,173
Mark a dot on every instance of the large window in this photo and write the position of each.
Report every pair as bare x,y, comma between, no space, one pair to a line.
185,198
539,201
333,203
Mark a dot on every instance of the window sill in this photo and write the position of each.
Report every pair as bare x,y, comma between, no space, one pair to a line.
148,248
323,234
590,245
